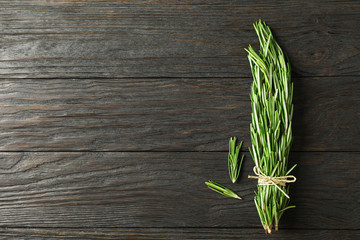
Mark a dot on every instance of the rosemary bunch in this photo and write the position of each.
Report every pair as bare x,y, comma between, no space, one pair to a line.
271,134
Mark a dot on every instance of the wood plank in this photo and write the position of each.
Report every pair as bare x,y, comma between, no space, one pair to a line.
172,233
167,190
76,38
166,114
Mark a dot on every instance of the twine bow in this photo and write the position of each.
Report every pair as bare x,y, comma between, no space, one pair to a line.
272,181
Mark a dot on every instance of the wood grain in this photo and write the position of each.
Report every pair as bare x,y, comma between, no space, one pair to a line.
114,113
172,233
167,190
76,39
166,114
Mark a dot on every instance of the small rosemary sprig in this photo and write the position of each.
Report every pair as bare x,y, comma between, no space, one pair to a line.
221,189
233,159
271,128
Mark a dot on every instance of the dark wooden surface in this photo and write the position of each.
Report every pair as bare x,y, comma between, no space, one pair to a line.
114,113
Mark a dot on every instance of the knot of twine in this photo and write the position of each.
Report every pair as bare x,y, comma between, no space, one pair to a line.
272,181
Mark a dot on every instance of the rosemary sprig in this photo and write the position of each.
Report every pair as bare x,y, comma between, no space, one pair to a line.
221,189
233,159
271,134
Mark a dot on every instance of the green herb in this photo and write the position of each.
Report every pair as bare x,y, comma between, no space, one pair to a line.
221,189
271,134
233,159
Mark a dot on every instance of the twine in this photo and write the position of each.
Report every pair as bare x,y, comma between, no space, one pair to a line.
265,180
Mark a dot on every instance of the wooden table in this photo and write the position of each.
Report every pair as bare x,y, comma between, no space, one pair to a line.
115,113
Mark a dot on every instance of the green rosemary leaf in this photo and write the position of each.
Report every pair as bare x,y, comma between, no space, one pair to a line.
221,189
234,164
288,207
290,170
271,127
